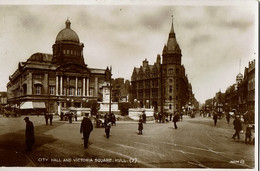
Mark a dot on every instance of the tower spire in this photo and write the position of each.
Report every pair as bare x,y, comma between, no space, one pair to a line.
172,30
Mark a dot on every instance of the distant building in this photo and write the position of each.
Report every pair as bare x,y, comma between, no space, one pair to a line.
120,90
3,99
58,80
163,85
246,88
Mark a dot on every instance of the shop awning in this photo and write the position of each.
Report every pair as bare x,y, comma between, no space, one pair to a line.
32,105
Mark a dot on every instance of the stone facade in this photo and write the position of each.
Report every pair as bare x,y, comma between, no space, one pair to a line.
163,85
59,80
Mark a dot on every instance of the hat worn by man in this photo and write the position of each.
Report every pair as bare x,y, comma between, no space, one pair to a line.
26,118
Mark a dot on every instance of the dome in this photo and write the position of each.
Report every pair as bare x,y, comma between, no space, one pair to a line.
67,34
239,76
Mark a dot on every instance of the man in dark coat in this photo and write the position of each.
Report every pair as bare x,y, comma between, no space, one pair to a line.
140,125
46,116
237,126
29,134
144,117
107,129
175,120
51,118
86,128
215,118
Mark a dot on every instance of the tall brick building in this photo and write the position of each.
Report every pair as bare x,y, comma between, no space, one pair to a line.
58,80
163,85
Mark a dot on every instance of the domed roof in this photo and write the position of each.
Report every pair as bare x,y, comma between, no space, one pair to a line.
67,34
239,76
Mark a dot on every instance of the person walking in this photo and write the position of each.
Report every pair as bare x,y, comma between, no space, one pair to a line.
237,126
76,116
61,116
144,117
215,118
107,129
86,127
46,116
175,120
228,117
29,134
51,117
248,134
113,119
140,125
70,115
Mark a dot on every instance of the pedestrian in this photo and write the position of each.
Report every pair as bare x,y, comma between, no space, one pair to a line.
248,133
215,118
155,115
76,116
70,117
61,116
144,117
140,125
237,126
107,129
46,116
175,120
228,117
113,119
86,127
181,116
51,117
29,134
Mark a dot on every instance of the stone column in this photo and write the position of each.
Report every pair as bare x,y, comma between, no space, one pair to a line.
96,86
61,88
68,85
76,88
84,87
57,85
87,86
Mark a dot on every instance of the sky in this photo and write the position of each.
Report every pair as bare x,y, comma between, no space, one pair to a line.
213,38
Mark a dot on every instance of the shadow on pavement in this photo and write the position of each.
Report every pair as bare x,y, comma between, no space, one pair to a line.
12,151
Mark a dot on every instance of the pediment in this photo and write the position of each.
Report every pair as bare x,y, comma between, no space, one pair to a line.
73,68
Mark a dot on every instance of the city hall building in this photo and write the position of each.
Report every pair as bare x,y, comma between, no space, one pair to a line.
59,80
164,85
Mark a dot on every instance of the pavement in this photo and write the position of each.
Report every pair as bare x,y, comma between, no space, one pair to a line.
197,143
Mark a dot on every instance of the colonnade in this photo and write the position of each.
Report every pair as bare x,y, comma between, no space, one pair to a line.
85,86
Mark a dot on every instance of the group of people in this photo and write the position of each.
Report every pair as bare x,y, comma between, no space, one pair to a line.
165,117
48,116
238,126
68,116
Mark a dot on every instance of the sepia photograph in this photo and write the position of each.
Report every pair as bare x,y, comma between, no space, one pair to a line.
129,85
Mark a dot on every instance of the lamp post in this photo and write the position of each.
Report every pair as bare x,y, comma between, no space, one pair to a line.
110,90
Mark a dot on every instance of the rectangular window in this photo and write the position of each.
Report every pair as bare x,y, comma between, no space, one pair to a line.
52,90
79,92
170,89
170,98
170,71
64,91
38,90
91,92
71,91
